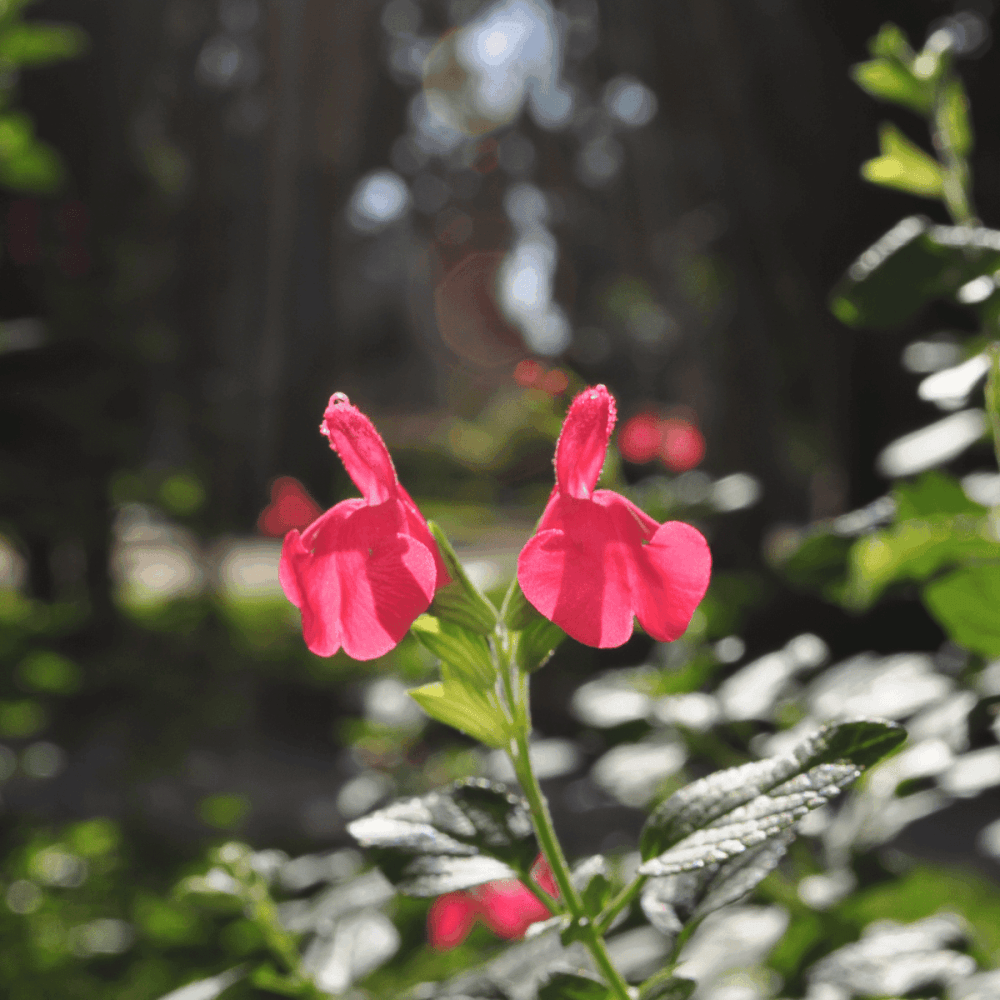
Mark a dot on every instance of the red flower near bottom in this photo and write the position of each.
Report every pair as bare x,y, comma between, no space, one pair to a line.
507,907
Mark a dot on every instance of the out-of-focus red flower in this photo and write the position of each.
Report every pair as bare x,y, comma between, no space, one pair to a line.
682,445
450,919
639,438
362,572
290,507
531,374
555,382
509,908
527,372
596,559
506,906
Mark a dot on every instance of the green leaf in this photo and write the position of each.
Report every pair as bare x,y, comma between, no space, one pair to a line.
953,117
889,80
458,704
911,265
914,550
267,977
904,165
931,494
37,44
536,643
745,805
27,163
967,605
459,601
455,838
567,986
819,563
666,986
591,880
467,653
891,42
518,612
537,637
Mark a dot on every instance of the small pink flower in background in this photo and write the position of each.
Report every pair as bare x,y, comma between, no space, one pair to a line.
290,507
596,560
362,572
450,920
676,441
639,438
506,906
683,446
531,374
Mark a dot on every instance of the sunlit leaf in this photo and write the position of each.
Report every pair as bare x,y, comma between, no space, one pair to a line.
913,264
896,960
456,703
891,41
471,833
459,601
467,653
741,806
889,80
904,165
967,604
36,44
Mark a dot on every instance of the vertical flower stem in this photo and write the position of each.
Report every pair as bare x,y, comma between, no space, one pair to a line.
516,686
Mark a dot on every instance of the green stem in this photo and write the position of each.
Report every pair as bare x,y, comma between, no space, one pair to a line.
957,187
549,842
993,396
623,899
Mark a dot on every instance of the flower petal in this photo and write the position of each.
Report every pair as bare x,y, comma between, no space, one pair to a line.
583,442
387,580
417,528
671,577
312,584
579,577
364,454
450,919
509,908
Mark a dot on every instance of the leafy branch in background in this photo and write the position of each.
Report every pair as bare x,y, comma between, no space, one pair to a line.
942,537
29,164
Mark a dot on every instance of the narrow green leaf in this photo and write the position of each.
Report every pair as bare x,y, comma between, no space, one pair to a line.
567,986
461,706
890,80
904,165
666,986
467,653
967,605
459,601
536,644
37,44
891,42
537,638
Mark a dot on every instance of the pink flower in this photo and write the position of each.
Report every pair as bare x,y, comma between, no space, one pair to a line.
290,507
596,559
506,906
683,446
639,438
362,572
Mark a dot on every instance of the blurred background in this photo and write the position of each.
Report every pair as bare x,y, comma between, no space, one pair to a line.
215,214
